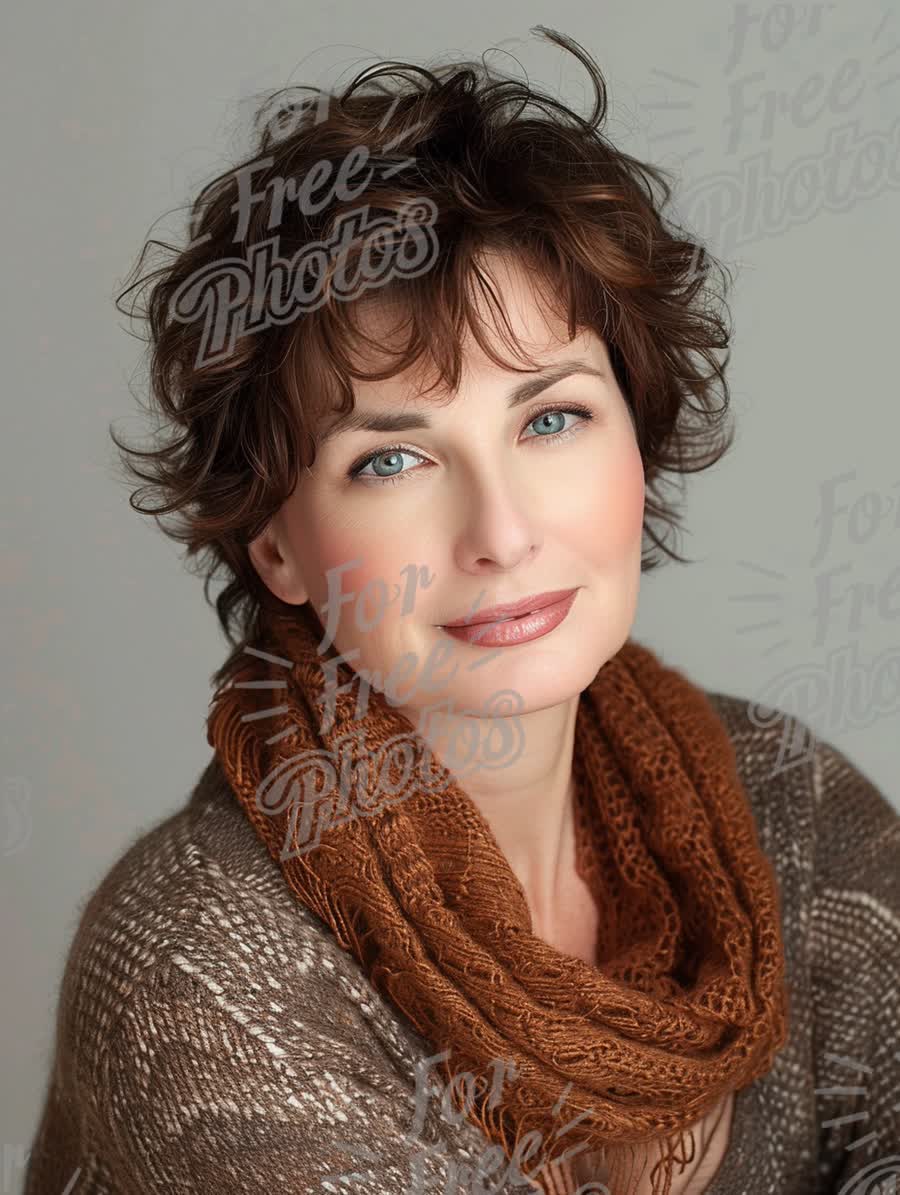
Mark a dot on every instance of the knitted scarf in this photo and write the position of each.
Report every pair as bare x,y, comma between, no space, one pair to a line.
687,1001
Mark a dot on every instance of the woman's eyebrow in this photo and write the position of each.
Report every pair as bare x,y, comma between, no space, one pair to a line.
397,421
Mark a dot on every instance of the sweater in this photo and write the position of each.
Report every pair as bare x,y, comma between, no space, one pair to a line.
212,1036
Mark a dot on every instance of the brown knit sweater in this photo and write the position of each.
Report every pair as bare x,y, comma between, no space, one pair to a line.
213,1037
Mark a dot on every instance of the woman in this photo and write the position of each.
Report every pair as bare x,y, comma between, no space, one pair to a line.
475,892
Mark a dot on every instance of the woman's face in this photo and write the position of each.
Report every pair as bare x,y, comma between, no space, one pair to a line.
489,503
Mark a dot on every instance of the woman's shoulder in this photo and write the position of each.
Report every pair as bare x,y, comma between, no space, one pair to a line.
797,779
195,909
834,840
775,761
212,1033
197,874
819,816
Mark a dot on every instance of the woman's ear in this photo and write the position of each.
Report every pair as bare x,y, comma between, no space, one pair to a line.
276,566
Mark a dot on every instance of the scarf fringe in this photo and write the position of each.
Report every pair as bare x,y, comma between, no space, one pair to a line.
580,1170
618,1170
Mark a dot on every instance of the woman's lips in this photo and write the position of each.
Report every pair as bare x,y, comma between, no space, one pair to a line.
510,631
527,605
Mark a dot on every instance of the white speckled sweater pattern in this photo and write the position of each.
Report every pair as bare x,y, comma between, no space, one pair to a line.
212,1036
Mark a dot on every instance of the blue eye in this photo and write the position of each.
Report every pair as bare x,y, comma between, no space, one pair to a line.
396,452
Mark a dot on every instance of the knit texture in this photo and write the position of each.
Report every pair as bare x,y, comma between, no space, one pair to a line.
686,1002
212,1035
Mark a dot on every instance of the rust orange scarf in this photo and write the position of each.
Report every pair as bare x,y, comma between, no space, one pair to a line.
687,1001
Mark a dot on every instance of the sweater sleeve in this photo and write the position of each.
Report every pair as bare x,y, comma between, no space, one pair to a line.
198,1098
855,944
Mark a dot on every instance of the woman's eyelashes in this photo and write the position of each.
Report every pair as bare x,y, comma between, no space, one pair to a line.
548,435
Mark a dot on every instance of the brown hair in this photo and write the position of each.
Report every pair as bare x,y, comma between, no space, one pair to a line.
548,186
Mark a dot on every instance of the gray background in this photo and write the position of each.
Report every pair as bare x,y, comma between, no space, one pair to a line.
116,114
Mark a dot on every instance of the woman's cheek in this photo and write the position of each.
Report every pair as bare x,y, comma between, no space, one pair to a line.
617,515
376,588
634,493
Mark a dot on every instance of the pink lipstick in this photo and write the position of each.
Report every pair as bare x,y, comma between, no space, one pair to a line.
517,622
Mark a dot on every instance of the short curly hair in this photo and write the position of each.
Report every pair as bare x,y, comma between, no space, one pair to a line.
236,428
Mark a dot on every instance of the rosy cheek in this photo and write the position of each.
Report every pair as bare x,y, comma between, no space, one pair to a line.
336,579
336,554
617,518
372,584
